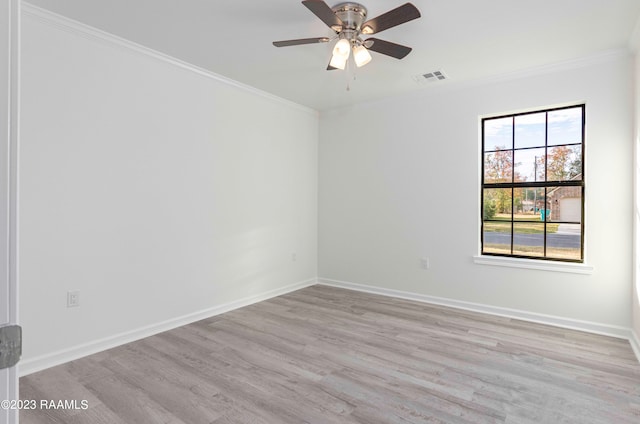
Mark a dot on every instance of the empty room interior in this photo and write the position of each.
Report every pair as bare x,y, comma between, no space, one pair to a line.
290,212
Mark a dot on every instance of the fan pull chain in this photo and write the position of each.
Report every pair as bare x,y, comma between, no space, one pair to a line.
348,79
347,73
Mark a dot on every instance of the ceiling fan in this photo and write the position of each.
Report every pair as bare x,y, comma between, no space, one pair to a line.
347,20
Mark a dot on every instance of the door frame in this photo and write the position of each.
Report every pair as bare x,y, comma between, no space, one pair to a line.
9,126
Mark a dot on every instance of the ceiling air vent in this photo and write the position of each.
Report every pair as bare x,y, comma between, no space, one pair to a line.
430,77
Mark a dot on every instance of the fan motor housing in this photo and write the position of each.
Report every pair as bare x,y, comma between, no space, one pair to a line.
352,15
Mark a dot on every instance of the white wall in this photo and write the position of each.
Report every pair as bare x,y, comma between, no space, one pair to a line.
154,190
399,180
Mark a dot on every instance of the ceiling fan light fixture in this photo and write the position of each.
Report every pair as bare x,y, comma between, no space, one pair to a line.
338,62
340,54
342,48
361,56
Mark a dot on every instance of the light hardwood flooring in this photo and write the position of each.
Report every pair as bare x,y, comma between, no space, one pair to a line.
328,355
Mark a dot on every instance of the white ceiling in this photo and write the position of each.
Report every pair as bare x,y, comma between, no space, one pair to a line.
467,39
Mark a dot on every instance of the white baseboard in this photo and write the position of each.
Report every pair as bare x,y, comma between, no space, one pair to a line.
635,344
569,323
49,360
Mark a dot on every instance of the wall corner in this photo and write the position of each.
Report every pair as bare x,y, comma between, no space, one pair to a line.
634,40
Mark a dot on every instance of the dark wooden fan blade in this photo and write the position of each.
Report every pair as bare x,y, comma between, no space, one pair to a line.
324,12
405,13
386,47
299,41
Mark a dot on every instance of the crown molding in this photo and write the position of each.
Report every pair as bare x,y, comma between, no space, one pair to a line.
602,57
453,85
64,23
599,58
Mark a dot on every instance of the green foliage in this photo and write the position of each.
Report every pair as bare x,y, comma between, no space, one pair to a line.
503,200
489,210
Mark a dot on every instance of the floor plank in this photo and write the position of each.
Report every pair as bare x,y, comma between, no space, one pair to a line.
329,355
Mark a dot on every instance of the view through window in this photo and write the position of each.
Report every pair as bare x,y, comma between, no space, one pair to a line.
533,184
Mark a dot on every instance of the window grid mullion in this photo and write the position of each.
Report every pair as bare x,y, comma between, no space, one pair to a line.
546,178
513,177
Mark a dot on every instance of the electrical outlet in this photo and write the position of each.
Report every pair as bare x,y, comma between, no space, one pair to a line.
424,263
73,298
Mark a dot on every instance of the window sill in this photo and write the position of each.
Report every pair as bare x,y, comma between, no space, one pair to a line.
554,266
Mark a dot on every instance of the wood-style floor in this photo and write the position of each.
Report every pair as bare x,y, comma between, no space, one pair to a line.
328,355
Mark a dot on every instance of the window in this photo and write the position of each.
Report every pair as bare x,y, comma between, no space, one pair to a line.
533,184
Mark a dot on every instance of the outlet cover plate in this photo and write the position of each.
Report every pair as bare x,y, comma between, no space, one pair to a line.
73,299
